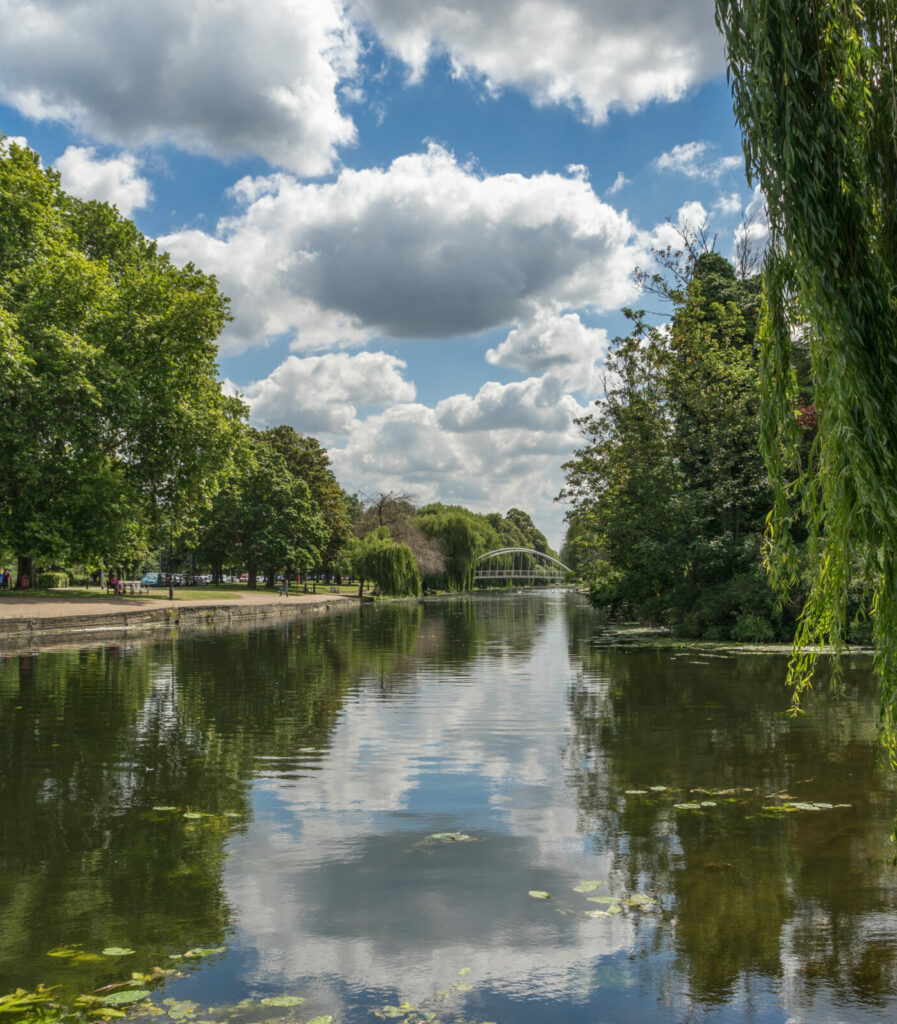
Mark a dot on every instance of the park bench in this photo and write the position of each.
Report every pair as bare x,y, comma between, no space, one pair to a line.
128,587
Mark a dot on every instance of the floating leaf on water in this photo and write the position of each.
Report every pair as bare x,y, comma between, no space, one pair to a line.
232,814
117,951
88,958
539,894
390,1012
464,970
126,997
603,899
192,815
462,986
824,807
843,805
708,803
64,951
165,808
283,1001
806,807
587,886
199,951
451,837
597,913
615,908
658,789
325,1019
687,807
636,792
640,899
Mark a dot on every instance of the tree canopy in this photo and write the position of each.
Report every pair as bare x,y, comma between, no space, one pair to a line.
114,418
669,492
815,94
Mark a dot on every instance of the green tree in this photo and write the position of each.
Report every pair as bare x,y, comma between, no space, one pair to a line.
815,93
114,420
264,518
306,460
390,565
669,494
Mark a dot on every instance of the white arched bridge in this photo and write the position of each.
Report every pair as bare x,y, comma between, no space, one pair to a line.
520,564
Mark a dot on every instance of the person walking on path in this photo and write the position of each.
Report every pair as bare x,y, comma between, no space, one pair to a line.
285,586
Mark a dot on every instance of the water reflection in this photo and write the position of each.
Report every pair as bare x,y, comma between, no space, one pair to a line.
324,756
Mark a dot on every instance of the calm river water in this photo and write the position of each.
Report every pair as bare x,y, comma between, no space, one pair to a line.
357,811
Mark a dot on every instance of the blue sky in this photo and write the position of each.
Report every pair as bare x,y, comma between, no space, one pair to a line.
426,213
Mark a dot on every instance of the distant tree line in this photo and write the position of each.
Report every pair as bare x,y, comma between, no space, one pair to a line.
117,443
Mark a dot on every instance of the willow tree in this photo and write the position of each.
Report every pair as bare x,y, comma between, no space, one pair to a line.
815,94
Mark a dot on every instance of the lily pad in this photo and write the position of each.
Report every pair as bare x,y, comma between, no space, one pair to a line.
687,807
636,792
283,1001
451,837
597,913
165,808
708,803
117,951
603,899
126,997
587,886
658,789
324,1019
615,908
199,951
64,951
539,894
640,899
192,815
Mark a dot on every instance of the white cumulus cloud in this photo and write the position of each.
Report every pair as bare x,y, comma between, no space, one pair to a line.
115,179
498,448
319,394
227,78
561,345
535,404
592,55
695,160
424,248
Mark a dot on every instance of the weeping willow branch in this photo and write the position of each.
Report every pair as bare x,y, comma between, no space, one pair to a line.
814,91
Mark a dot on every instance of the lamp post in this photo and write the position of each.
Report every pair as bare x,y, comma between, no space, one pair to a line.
170,562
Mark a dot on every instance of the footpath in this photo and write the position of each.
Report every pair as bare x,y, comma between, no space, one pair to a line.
25,619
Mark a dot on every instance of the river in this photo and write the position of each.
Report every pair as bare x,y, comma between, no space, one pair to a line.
461,810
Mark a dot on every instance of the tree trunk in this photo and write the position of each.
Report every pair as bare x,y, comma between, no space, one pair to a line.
361,586
26,568
269,579
252,585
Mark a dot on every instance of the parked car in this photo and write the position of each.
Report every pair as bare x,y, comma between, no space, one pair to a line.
155,579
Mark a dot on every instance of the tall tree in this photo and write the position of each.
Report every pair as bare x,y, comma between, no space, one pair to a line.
670,489
114,418
264,518
815,92
306,460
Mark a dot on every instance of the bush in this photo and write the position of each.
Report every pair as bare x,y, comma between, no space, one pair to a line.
52,579
753,629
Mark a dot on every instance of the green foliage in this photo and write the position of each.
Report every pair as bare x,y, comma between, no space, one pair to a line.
306,460
391,566
815,94
47,580
113,415
669,494
264,517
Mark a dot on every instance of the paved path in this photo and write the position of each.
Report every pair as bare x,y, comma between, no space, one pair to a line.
18,606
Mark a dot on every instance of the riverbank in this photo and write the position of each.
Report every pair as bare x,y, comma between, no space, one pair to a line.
28,619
